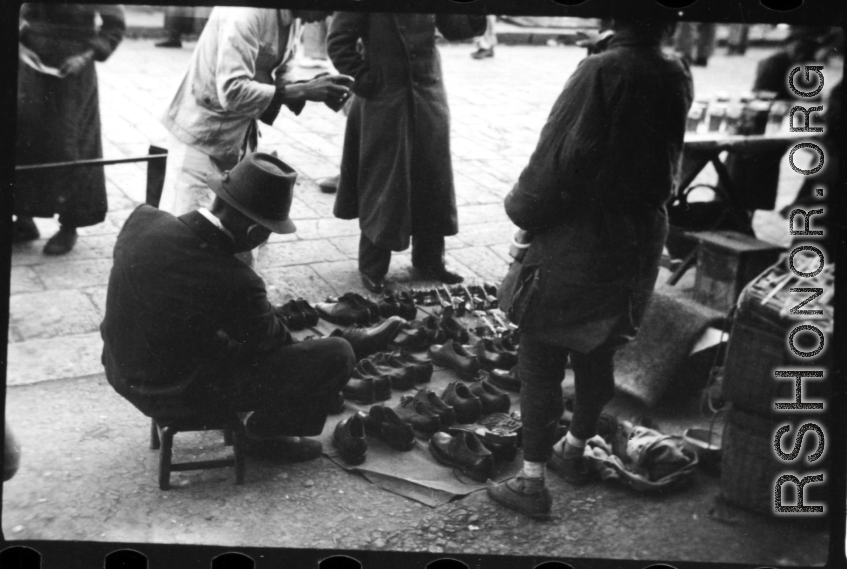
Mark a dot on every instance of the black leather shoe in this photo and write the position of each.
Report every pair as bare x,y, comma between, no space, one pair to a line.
490,357
388,305
423,366
418,416
383,423
292,315
439,273
343,312
454,330
530,498
446,413
360,390
367,341
401,373
375,285
407,308
454,356
382,383
409,337
286,449
349,439
432,327
505,344
467,405
24,229
465,452
61,243
309,311
506,379
493,400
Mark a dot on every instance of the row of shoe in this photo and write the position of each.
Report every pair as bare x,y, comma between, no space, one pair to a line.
374,377
480,297
487,354
297,314
428,412
396,333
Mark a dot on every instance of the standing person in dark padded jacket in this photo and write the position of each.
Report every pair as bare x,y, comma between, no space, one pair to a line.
396,169
189,331
593,199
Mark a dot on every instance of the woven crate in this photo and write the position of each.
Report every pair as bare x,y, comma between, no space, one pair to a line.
758,345
750,467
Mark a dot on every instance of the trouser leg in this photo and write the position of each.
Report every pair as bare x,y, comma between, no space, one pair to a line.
373,260
594,378
541,368
427,251
291,389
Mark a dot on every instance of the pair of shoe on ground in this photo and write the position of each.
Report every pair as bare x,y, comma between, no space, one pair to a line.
349,436
498,363
428,412
62,242
441,273
529,496
374,377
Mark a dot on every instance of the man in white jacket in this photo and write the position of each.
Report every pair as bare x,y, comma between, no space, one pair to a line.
237,75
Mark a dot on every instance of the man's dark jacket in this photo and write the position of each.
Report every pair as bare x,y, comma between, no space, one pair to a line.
594,191
178,305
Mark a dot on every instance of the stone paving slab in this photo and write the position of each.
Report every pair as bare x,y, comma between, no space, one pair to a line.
51,314
62,357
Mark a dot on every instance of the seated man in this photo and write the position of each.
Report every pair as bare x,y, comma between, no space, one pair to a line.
189,330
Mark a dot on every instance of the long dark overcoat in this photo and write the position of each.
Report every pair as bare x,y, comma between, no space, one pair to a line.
59,118
396,171
594,194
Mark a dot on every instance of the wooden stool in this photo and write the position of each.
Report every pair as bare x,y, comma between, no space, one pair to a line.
162,439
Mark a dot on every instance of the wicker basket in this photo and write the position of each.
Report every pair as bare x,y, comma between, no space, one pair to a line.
759,344
750,467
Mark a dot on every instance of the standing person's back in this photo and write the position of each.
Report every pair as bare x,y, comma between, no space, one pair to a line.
592,200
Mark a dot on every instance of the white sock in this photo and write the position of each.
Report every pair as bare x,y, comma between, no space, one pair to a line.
573,441
533,469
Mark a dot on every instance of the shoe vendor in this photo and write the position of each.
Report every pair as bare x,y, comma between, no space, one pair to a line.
237,76
189,332
591,203
396,170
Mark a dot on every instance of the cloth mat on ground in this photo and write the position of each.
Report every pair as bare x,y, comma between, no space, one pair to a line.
645,367
414,474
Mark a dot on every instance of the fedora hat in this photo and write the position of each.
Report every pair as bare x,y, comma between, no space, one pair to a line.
261,187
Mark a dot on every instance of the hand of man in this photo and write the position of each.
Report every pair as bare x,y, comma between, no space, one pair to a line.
328,88
76,63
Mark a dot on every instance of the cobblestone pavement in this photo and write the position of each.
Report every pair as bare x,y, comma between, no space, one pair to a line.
498,107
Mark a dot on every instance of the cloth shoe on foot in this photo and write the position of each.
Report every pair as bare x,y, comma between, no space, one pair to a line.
571,466
24,229
61,243
527,496
328,185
